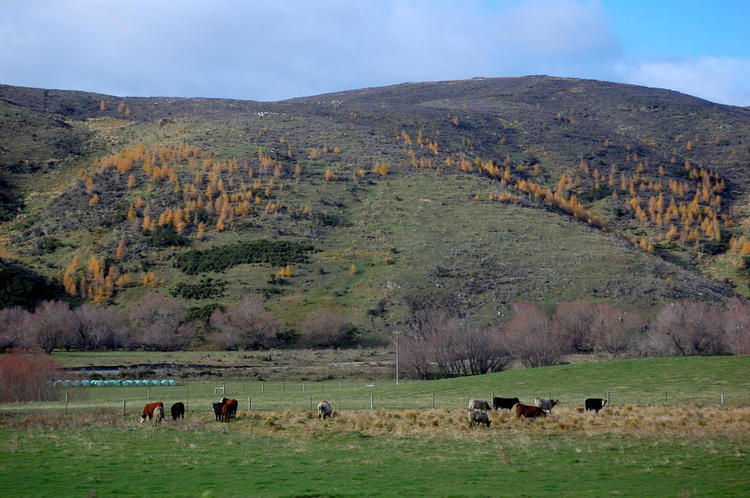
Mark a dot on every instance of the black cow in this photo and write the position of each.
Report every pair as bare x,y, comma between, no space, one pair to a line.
178,410
595,404
505,403
217,410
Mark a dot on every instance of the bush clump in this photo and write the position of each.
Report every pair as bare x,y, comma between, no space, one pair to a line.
272,252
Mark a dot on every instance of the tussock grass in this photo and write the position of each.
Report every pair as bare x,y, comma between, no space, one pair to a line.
440,423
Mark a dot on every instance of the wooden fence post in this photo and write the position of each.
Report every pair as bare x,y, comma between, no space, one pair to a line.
372,402
249,404
123,408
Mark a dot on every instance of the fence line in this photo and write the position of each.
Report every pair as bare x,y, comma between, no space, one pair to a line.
343,395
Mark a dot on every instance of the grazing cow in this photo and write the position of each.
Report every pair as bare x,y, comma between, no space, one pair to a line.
529,411
178,410
228,409
324,409
148,410
478,417
478,404
158,414
506,403
546,403
217,410
595,404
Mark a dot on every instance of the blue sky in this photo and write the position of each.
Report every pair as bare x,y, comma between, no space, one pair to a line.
276,49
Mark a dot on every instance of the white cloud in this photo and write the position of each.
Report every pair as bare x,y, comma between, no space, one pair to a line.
718,79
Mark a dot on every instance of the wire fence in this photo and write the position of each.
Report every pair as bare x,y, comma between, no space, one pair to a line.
198,396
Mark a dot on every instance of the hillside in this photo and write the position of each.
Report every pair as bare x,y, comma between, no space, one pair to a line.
470,194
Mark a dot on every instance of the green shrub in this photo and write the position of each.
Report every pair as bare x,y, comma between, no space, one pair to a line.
205,289
272,252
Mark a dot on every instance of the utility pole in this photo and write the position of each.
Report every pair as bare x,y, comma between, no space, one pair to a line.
396,334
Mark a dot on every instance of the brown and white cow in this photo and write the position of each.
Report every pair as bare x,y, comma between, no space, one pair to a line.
148,410
529,411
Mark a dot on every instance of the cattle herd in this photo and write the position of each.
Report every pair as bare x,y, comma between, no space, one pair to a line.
226,409
478,408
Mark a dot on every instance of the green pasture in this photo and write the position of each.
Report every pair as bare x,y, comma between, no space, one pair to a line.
90,449
226,461
678,380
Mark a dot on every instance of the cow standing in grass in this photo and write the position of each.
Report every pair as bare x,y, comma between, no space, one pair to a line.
478,417
228,409
478,404
158,414
324,409
545,403
148,410
505,403
529,411
178,410
595,404
217,410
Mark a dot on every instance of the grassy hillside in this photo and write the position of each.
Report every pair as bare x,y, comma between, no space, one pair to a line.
472,194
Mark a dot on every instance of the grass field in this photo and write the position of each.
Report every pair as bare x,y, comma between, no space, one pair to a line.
640,445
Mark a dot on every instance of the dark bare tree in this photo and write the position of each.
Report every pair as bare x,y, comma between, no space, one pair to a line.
736,325
101,328
327,330
689,328
613,331
52,325
576,320
13,322
534,338
160,323
246,325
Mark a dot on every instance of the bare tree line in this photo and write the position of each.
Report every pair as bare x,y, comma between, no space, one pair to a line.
436,345
161,323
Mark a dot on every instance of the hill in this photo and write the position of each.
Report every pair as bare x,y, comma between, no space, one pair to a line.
465,194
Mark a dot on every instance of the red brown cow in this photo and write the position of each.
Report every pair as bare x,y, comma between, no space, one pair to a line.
529,411
148,410
228,409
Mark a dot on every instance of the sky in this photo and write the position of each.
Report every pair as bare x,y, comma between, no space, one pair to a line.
278,49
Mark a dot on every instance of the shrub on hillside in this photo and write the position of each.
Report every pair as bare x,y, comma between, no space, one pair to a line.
27,377
272,252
